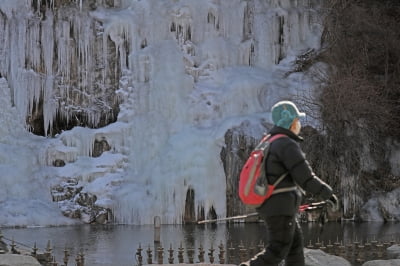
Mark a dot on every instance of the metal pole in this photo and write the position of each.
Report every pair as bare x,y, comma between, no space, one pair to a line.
228,218
305,207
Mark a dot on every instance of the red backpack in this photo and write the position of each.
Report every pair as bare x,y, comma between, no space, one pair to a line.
253,186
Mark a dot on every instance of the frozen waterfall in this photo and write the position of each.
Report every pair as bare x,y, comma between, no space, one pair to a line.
178,73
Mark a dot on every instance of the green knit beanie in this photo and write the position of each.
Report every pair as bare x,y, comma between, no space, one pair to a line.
284,112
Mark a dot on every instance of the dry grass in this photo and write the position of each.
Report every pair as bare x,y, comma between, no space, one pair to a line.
359,101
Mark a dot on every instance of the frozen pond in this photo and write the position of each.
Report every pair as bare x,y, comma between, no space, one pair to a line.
117,244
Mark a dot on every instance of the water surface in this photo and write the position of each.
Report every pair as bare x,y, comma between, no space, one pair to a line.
117,244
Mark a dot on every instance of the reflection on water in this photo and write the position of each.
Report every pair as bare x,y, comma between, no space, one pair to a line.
117,244
349,232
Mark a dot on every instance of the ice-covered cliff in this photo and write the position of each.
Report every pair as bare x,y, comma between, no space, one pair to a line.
130,102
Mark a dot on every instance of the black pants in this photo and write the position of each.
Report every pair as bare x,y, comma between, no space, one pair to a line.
285,242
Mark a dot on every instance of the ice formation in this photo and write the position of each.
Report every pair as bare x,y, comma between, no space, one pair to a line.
187,72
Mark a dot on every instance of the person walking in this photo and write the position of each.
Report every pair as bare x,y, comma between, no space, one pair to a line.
285,238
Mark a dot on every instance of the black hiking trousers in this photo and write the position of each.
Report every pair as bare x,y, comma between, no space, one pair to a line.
285,242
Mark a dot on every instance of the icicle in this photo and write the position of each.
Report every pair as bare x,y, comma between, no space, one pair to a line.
47,40
120,32
104,57
63,51
80,5
85,51
17,77
33,45
81,138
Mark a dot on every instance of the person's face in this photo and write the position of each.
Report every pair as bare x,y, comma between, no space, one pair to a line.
296,126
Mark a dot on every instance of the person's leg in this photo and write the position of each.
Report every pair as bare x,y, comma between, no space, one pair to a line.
280,234
295,256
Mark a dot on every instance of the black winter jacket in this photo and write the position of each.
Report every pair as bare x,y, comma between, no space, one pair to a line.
285,155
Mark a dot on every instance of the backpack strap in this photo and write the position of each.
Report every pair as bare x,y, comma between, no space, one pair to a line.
285,189
280,179
275,137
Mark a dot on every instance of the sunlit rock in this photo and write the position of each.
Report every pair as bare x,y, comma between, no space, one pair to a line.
393,251
395,262
18,260
382,207
316,257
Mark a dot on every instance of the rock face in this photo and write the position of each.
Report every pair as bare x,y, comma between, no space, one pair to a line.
71,70
76,204
190,211
99,147
383,207
239,142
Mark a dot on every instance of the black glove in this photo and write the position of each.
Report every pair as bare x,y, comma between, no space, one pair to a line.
333,203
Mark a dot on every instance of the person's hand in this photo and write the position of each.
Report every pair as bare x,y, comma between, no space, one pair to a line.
333,203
